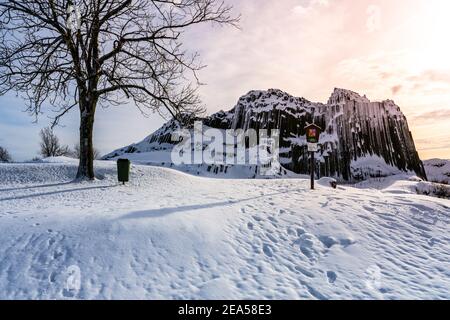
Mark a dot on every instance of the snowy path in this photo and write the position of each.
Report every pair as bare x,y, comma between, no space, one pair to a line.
171,235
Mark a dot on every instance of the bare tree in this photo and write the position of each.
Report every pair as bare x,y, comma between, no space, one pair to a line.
76,153
4,155
50,146
88,53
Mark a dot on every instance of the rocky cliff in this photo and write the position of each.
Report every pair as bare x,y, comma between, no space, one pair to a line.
360,138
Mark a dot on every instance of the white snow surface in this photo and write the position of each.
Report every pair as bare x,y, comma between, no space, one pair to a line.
171,235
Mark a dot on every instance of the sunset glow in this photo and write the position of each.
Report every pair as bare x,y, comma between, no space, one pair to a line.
385,49
382,48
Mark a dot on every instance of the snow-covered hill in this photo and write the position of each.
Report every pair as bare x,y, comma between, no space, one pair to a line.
361,139
172,235
438,170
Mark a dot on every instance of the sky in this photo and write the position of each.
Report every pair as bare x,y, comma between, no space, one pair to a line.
386,49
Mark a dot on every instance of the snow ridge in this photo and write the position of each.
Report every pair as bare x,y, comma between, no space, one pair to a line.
438,170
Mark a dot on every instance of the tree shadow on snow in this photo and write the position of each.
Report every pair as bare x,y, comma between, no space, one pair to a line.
161,212
43,194
37,187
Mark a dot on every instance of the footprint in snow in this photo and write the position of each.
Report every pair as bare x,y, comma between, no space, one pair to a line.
331,277
271,238
306,244
328,241
57,255
305,272
325,204
300,232
274,220
346,242
268,251
291,231
370,209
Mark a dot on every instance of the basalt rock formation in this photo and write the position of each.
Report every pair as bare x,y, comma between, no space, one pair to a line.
360,138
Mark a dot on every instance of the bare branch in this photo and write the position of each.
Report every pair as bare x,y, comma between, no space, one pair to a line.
89,53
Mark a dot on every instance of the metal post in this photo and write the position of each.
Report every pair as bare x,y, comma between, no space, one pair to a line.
312,169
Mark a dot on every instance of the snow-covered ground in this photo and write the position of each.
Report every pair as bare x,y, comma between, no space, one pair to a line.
172,235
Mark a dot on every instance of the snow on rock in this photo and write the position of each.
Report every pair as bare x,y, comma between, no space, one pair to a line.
354,128
415,179
372,166
170,235
342,96
438,170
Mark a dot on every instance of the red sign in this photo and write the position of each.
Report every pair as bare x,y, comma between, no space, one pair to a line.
312,133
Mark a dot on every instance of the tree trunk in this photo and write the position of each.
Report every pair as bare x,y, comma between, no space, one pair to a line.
86,166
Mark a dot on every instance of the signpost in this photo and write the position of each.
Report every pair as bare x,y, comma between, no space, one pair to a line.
312,137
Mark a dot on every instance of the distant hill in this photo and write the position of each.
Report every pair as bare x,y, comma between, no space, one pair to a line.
438,170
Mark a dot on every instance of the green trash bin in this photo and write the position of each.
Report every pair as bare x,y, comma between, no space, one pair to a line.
123,170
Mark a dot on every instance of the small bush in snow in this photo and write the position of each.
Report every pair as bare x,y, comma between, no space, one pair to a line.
4,155
50,145
442,191
434,189
76,153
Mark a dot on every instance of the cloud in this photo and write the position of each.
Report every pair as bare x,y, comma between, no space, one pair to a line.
433,146
396,89
429,76
305,6
434,143
373,22
308,47
391,72
440,114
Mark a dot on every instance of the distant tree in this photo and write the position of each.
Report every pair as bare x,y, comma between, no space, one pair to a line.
4,155
50,145
76,153
88,53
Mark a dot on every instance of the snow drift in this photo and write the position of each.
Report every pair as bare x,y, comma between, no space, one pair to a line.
438,170
169,235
